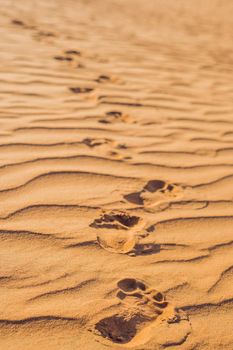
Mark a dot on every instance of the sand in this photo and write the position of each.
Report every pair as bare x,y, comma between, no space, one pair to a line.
116,175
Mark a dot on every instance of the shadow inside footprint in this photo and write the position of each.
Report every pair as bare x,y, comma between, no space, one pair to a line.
154,185
73,52
116,114
130,285
79,90
17,22
111,116
147,249
103,79
127,220
119,329
45,34
134,198
143,313
63,58
118,231
121,295
94,142
117,221
154,190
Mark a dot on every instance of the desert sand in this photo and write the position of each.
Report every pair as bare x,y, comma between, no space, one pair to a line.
116,174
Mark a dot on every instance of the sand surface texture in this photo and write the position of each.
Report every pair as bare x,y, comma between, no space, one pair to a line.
116,174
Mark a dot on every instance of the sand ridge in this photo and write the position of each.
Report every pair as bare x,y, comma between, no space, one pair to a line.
116,175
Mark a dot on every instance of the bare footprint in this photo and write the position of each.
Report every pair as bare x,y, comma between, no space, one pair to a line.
73,52
103,79
90,142
119,233
105,146
112,117
118,155
155,192
44,34
18,22
63,58
80,90
144,316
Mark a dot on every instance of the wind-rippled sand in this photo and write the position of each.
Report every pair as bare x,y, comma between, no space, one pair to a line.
116,175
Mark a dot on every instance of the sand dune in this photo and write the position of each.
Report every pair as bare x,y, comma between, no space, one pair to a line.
116,175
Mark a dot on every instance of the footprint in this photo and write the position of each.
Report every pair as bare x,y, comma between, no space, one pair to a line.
18,22
122,146
46,34
90,142
80,90
73,52
37,34
117,155
106,145
43,34
119,233
71,56
155,192
63,58
116,117
103,79
115,114
111,117
144,316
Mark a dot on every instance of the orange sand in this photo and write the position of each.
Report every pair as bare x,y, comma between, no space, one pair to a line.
116,174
